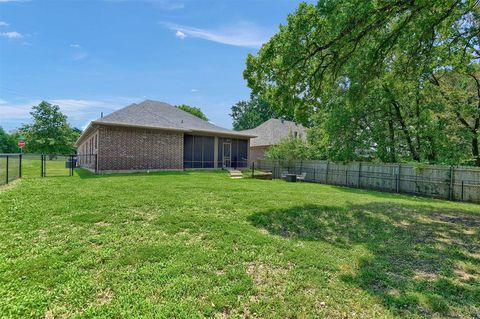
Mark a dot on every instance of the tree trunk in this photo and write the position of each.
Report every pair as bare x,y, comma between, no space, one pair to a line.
396,106
391,130
475,149
403,125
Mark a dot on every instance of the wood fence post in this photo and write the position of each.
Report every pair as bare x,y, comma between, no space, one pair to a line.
359,173
326,173
450,185
398,178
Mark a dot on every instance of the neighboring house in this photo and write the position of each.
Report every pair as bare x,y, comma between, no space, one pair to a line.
272,132
154,135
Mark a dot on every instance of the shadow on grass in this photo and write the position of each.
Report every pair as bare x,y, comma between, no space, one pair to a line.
422,260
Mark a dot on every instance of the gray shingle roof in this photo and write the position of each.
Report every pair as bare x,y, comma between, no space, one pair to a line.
274,131
160,115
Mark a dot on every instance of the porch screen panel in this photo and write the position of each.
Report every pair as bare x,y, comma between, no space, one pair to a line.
234,153
188,151
220,152
208,151
242,153
197,151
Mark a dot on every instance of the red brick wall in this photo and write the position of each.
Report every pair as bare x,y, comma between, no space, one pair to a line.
127,148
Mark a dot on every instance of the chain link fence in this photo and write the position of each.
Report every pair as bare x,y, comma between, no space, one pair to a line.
10,167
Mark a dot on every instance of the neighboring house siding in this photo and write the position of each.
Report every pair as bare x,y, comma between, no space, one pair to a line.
257,153
129,149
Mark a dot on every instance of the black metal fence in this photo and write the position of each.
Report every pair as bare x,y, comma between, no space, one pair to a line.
10,167
447,182
57,165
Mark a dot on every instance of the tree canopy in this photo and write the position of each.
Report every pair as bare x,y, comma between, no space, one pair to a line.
50,132
192,110
385,80
249,114
8,142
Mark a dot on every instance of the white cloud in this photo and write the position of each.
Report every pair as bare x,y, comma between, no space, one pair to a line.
18,111
79,56
193,90
3,24
12,35
76,105
78,111
180,34
243,34
75,45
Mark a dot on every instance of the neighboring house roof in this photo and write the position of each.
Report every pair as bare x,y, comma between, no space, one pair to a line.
160,115
273,131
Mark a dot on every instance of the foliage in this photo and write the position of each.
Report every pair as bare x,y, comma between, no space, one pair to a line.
249,114
8,142
291,148
198,244
192,110
378,79
50,133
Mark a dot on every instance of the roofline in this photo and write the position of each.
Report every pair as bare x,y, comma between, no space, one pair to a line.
84,133
232,133
140,126
90,125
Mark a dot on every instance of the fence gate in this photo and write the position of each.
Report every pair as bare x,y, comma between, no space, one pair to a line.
57,165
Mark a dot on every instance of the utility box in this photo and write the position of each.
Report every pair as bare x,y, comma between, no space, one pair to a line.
291,178
71,163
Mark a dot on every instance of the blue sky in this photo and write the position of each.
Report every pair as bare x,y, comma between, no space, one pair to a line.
97,56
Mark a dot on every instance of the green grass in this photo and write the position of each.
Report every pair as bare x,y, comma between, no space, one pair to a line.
198,244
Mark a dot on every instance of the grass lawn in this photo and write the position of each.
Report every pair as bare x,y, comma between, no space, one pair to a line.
198,244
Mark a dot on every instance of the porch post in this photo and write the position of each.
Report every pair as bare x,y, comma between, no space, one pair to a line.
215,153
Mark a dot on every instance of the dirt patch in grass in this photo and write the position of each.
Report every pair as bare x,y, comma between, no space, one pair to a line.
264,274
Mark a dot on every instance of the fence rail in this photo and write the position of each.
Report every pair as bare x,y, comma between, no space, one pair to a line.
458,183
10,167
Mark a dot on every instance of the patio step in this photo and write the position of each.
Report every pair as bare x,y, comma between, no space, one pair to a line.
235,174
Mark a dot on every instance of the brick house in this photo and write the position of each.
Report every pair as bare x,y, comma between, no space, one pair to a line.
154,135
272,132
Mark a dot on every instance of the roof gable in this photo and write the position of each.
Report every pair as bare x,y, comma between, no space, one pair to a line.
273,131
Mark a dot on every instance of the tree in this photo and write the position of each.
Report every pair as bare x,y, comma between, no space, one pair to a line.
8,144
192,110
50,133
249,114
289,149
365,73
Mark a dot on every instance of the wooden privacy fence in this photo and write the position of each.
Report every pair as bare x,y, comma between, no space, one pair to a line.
448,182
